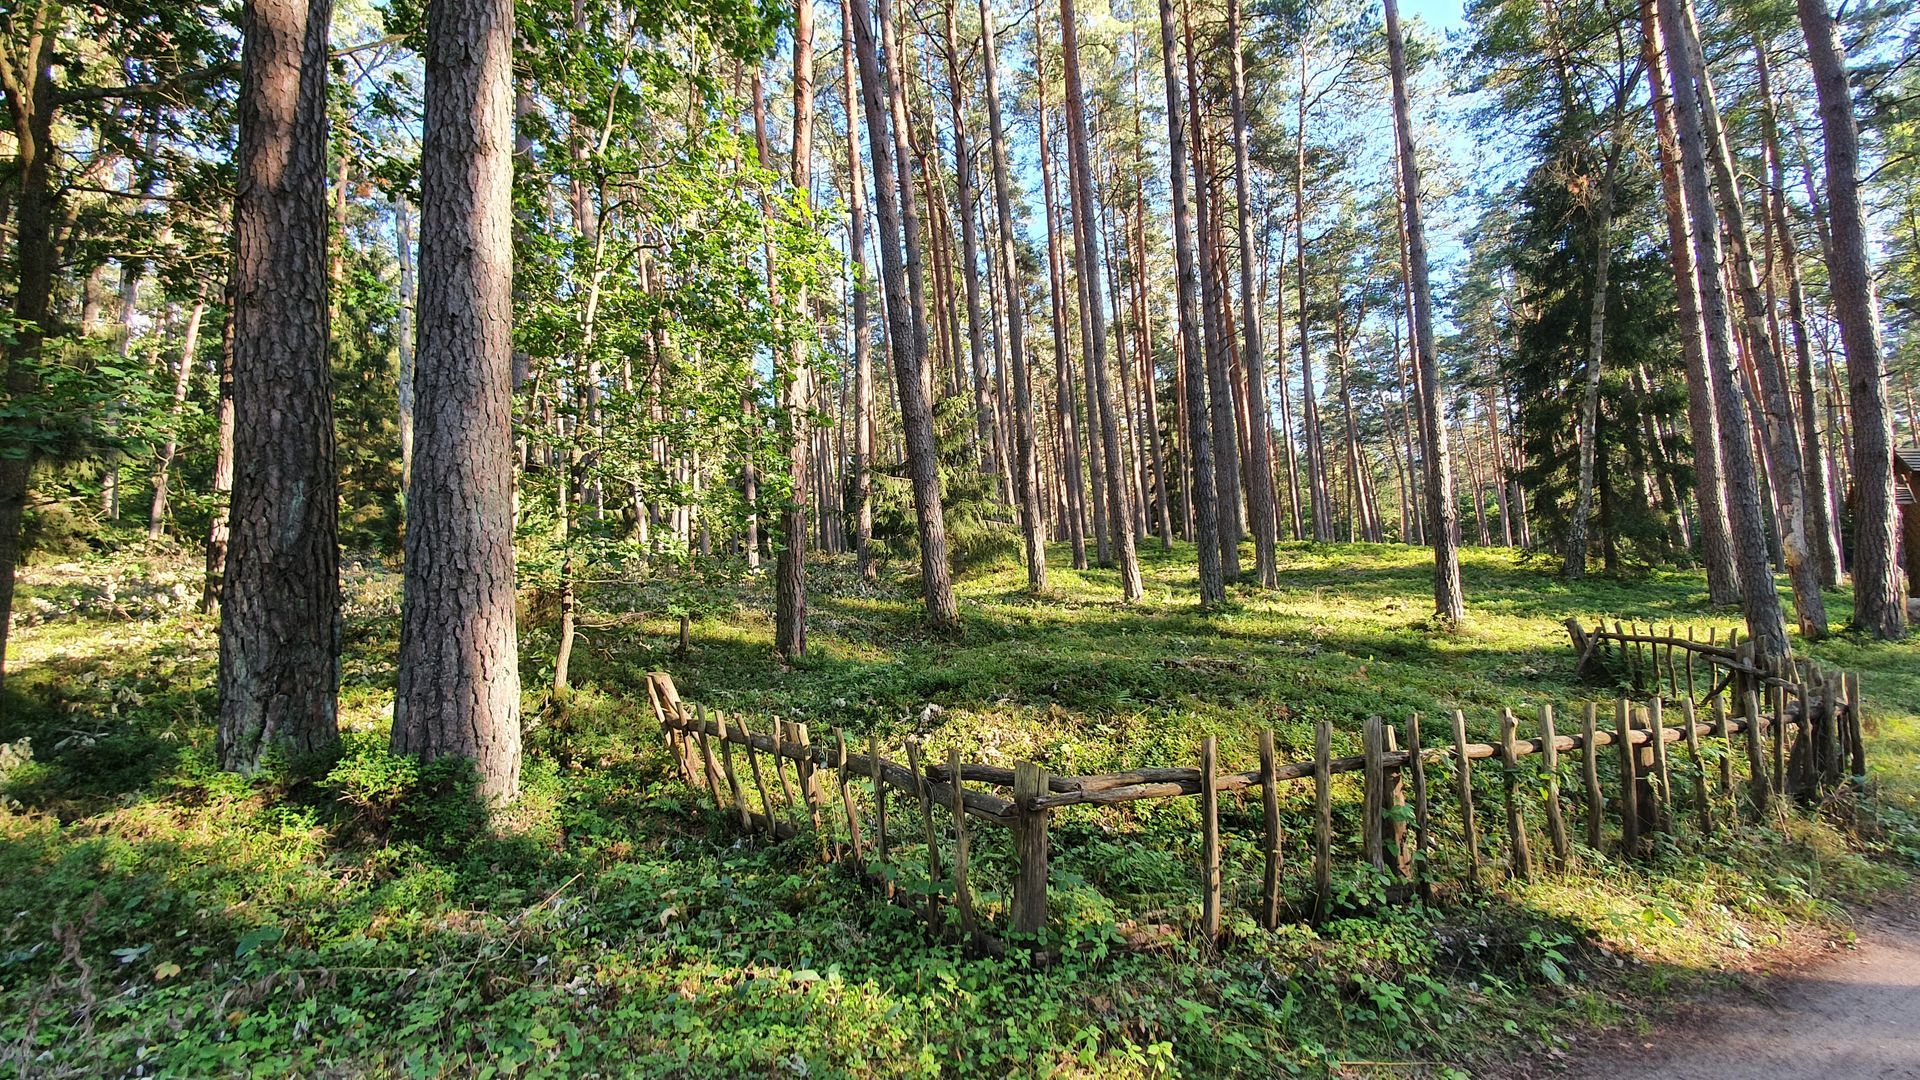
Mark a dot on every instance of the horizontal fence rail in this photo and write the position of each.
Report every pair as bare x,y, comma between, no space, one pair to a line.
1794,730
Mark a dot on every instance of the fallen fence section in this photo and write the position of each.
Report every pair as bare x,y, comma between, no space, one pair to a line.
1792,729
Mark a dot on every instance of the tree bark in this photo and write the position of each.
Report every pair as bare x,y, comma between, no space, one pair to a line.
459,678
1069,458
29,94
1260,494
1199,448
1786,471
862,338
1086,246
1442,515
1879,594
218,533
279,673
1575,566
1747,516
885,104
1214,329
1716,543
790,570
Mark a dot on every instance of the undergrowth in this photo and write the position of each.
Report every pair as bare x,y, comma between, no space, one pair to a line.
360,914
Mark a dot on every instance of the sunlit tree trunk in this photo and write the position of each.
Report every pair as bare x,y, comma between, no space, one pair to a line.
1199,446
790,571
884,99
459,677
1747,515
1784,453
279,674
1026,479
1879,594
1442,515
182,380
1260,495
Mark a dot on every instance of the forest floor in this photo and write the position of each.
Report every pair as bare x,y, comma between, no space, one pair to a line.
359,915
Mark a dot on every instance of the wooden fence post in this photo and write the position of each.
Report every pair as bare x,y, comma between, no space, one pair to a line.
879,804
1209,840
1856,728
1510,782
1760,785
1663,782
1393,809
854,839
810,790
1701,804
1463,778
759,777
925,799
1270,804
1322,819
1629,789
1550,765
1417,770
1724,732
1030,845
1373,793
1832,756
962,898
733,778
709,763
1590,773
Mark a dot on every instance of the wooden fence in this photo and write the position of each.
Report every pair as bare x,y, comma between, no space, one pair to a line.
1796,729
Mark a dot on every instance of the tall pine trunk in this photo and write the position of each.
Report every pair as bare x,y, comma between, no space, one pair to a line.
884,100
1260,494
279,674
1703,423
1442,515
459,677
790,570
1026,471
1747,515
1086,230
1879,594
1779,429
862,337
1199,448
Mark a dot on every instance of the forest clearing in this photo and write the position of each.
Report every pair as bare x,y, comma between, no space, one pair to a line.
1097,538
350,921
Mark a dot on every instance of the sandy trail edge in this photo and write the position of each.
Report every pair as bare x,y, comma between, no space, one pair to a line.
1853,1017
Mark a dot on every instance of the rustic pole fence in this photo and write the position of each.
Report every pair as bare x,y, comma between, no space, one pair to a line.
1799,729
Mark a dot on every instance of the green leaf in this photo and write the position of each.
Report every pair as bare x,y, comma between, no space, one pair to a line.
253,939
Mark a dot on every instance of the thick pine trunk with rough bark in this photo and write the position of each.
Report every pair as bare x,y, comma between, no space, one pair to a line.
1879,594
1442,516
459,684
279,671
1199,448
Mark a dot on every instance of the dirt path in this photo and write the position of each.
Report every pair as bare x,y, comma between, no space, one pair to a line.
1853,1017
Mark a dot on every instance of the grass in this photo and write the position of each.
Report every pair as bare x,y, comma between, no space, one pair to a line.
359,916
